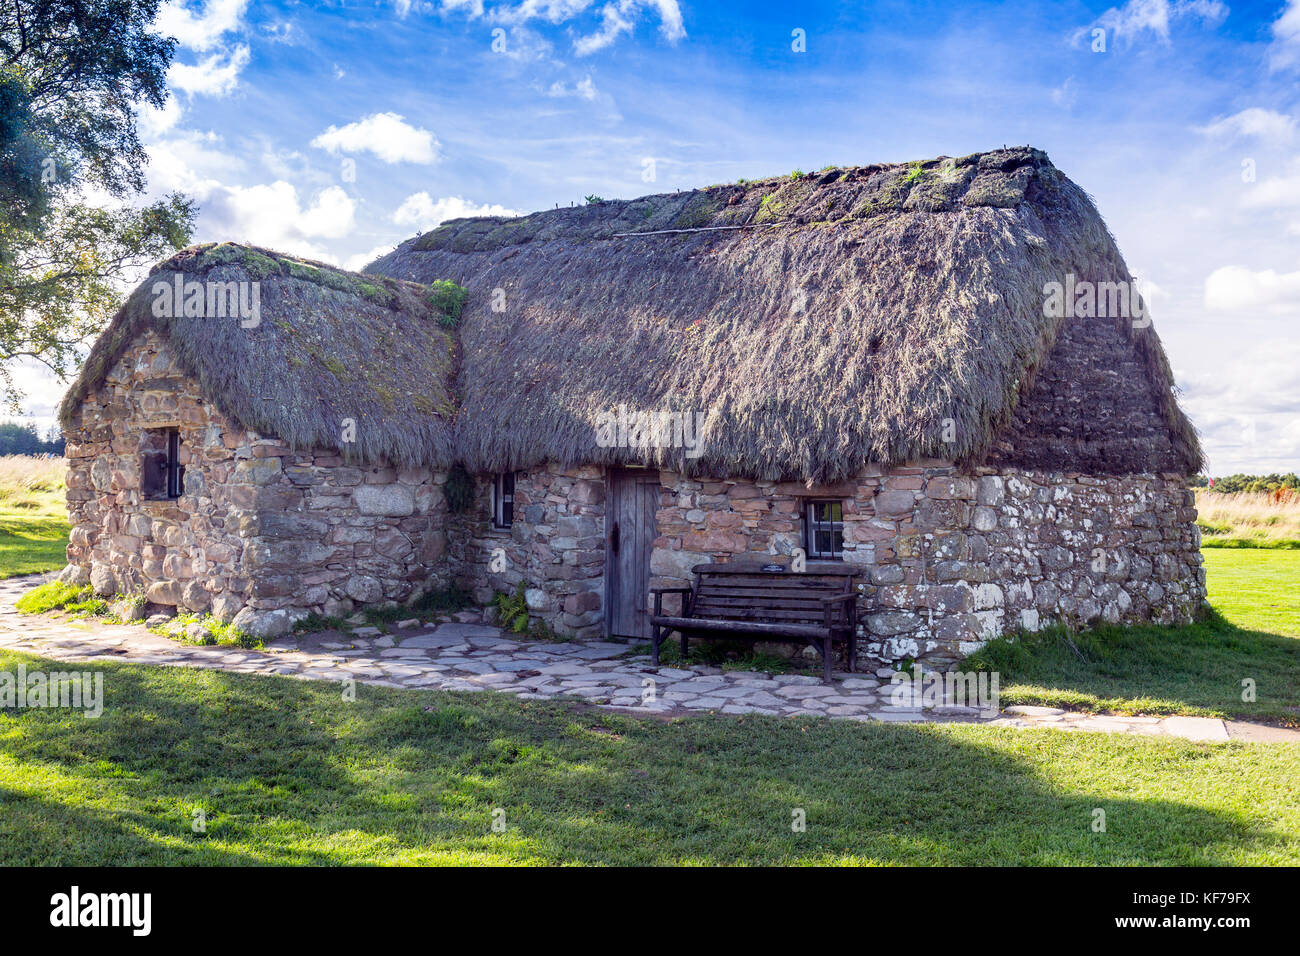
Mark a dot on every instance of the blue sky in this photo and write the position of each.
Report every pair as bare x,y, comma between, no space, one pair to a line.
336,130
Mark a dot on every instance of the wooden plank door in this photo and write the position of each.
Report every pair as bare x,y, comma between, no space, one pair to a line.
630,532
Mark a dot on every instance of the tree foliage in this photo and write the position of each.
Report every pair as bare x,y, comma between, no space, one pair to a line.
1253,484
72,75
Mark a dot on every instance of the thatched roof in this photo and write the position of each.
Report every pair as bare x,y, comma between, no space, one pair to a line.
818,322
329,345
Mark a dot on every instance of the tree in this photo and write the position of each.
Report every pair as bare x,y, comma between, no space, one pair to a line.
72,75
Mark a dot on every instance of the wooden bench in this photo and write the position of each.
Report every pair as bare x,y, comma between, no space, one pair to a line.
817,605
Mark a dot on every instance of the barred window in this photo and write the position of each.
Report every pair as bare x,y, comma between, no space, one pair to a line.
503,499
162,476
823,529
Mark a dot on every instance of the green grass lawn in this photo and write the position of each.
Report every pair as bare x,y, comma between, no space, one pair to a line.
33,532
286,771
1254,634
1256,589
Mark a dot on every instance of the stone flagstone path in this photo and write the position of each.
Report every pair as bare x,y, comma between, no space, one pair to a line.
462,655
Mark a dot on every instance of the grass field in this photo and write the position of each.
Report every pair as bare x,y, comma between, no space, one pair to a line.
285,771
1246,520
33,517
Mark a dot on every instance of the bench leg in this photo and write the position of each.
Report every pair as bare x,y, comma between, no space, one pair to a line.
826,658
654,645
853,652
683,648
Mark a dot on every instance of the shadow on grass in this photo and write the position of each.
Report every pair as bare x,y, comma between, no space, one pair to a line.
1202,668
287,772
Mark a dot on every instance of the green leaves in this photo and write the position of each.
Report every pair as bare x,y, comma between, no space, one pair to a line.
513,609
60,284
447,299
72,75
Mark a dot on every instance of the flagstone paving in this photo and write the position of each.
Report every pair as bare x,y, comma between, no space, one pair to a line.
468,655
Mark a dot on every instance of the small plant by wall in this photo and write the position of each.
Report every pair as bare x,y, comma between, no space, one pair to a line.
513,609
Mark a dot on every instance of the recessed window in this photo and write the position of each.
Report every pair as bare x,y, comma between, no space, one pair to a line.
823,528
503,499
162,476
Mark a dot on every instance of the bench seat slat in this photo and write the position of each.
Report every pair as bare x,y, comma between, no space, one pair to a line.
740,627
833,569
773,581
782,604
743,614
776,590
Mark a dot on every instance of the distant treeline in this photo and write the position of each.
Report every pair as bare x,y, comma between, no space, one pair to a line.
18,439
1248,483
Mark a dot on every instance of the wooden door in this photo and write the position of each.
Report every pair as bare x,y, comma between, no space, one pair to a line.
630,532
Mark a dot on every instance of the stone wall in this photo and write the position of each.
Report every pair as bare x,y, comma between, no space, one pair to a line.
950,559
556,546
262,535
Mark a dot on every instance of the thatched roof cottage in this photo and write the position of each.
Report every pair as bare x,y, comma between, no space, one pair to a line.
939,372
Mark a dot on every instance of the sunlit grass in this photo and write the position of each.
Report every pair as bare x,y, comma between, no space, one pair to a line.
33,516
288,772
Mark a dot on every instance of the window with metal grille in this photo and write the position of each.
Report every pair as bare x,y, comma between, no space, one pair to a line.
162,476
503,499
823,529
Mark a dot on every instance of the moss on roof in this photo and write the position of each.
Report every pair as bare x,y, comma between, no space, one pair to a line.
330,345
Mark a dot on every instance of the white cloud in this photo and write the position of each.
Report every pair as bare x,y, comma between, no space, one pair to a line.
615,20
274,215
153,122
1254,122
1276,192
191,162
525,45
200,31
1137,17
584,89
1152,292
282,31
554,11
214,75
617,17
386,135
203,29
1066,93
1284,51
423,212
1238,289
1247,408
362,259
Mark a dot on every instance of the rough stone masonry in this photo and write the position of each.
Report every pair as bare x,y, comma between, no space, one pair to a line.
950,559
262,535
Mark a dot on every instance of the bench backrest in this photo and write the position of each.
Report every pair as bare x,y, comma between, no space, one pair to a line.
742,593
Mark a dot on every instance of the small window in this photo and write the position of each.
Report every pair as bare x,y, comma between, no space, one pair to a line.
503,499
162,476
823,529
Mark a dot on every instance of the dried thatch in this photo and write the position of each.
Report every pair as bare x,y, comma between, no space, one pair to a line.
818,323
330,345
853,312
